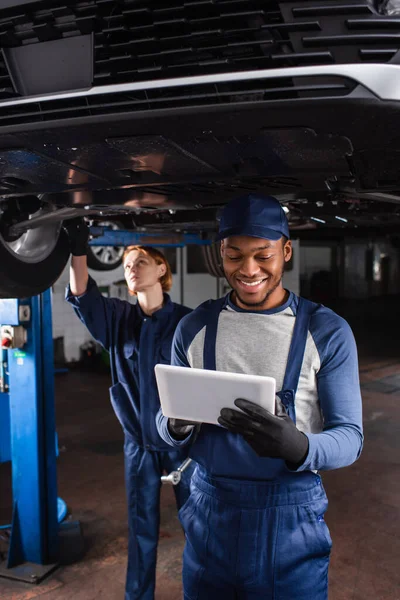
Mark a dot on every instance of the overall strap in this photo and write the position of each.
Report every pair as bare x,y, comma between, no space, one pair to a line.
209,359
298,344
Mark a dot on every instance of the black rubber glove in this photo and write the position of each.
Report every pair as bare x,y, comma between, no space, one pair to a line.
180,429
78,234
273,436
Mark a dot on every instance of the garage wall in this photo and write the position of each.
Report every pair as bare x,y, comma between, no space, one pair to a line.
354,268
370,269
314,260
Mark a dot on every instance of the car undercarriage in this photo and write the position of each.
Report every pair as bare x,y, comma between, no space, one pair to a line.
154,116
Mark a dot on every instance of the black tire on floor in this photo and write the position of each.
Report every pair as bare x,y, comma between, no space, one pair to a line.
19,279
213,260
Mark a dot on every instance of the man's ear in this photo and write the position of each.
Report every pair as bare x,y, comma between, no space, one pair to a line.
162,270
221,248
287,250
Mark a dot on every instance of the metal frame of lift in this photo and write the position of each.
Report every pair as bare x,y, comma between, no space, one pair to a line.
38,543
103,236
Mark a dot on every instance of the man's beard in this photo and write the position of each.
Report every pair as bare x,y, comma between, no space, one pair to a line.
267,295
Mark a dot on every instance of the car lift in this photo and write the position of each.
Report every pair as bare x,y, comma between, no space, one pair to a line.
38,542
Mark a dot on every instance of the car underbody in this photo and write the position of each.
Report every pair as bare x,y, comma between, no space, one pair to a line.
155,116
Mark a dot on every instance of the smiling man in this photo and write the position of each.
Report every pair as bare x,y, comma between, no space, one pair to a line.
254,522
254,263
254,270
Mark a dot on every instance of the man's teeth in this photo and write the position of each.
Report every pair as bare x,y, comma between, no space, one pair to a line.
253,283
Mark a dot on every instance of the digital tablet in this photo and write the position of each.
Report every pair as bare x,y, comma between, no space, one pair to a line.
199,395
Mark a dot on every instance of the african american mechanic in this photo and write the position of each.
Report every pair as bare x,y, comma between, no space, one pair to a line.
254,522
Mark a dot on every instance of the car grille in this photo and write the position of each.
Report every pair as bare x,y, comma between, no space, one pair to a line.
136,41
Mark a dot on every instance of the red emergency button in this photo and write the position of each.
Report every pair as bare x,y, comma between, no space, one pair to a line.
6,342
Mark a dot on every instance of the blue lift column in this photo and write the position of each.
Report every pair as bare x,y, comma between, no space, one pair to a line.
27,325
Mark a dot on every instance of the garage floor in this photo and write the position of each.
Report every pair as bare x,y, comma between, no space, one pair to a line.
364,513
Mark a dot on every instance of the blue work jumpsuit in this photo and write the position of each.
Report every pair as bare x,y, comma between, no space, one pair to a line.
136,343
260,533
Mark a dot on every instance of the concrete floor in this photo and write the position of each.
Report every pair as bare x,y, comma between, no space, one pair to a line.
363,515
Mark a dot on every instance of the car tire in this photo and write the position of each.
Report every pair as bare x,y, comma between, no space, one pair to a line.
213,260
105,258
21,278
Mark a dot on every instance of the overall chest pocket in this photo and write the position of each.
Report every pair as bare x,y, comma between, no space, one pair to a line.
127,362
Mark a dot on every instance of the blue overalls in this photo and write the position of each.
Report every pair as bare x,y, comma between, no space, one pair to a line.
247,538
136,343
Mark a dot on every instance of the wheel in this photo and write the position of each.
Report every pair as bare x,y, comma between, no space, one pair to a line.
30,264
105,258
213,260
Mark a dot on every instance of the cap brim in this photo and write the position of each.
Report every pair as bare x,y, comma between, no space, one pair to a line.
256,231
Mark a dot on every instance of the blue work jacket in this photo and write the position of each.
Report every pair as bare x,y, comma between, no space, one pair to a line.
136,343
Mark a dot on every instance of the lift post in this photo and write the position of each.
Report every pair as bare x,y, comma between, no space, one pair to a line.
26,331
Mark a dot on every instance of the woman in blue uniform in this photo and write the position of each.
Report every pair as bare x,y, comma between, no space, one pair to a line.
137,337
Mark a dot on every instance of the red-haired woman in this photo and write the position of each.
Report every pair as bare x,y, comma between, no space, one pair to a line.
137,336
